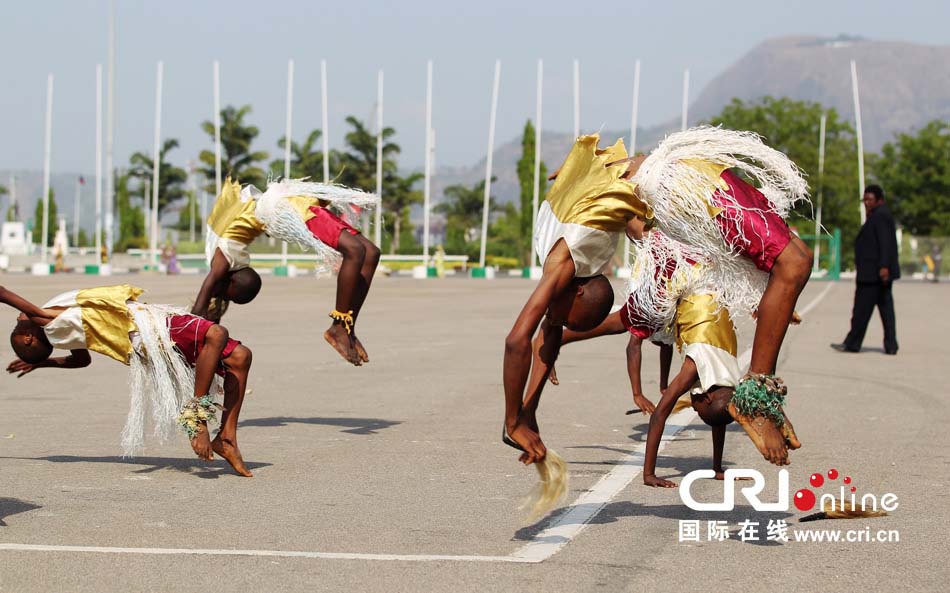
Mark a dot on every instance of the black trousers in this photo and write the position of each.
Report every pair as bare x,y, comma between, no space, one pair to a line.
866,297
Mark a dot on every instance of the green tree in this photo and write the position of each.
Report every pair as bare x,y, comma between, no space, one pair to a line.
355,166
399,194
237,159
10,215
171,179
52,220
131,219
525,241
462,208
915,174
793,127
305,159
83,238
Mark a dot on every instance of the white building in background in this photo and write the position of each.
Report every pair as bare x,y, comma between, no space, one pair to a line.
13,240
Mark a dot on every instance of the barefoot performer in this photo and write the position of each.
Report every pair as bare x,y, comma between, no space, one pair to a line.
298,212
700,202
173,358
578,228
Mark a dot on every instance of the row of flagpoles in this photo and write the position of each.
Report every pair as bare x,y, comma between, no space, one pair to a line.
152,219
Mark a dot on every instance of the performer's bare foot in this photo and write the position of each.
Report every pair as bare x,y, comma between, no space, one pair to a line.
788,431
229,451
552,377
337,337
766,437
656,482
360,351
202,444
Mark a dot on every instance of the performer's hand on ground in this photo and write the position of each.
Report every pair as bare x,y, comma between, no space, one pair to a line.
18,366
530,441
656,482
645,405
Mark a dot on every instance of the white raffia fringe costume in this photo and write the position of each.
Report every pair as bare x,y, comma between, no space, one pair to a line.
670,293
160,381
661,272
281,211
676,181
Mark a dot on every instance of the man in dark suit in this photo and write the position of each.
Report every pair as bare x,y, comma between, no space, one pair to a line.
875,256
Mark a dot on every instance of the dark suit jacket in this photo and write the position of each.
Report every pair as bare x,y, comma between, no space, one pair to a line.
876,246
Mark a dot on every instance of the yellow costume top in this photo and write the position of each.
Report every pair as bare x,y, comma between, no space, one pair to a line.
589,206
96,319
704,332
233,224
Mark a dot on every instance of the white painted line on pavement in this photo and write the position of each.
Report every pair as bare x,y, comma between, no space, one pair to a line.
268,553
541,547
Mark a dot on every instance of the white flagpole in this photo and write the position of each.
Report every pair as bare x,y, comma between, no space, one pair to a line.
536,190
326,121
110,138
428,167
635,113
577,98
378,224
488,162
821,186
857,125
98,225
47,151
76,213
287,136
216,69
156,161
683,122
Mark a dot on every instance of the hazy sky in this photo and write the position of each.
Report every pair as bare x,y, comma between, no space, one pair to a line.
253,41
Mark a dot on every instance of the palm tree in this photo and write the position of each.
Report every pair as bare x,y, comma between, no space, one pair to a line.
305,159
398,197
171,179
463,217
237,160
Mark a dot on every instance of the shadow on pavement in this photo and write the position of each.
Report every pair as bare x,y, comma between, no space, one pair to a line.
353,425
201,469
14,506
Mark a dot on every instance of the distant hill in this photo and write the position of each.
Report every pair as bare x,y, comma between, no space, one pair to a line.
903,85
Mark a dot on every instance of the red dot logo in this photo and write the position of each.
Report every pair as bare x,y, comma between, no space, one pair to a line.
853,489
832,474
816,480
847,479
804,499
